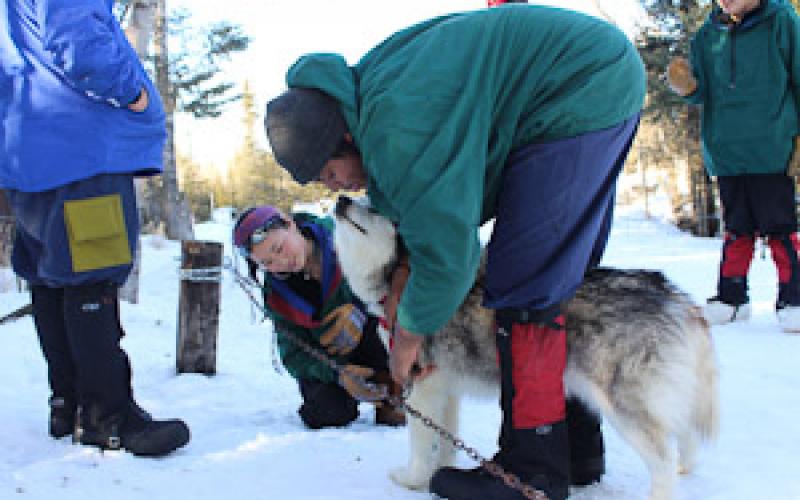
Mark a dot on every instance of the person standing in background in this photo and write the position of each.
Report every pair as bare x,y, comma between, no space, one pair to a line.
744,68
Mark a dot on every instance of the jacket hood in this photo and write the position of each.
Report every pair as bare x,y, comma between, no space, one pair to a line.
765,10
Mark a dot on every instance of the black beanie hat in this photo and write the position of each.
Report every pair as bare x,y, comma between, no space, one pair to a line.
305,127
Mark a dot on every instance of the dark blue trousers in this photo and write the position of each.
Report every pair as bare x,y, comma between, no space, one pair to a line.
553,217
41,249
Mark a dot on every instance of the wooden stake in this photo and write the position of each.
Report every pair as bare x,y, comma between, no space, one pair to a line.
198,307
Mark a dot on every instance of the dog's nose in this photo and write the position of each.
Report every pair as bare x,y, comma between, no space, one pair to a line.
341,206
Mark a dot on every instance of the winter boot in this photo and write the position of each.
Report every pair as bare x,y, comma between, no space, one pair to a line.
784,249
48,316
133,430
587,461
731,302
531,347
719,312
62,417
385,413
538,458
788,313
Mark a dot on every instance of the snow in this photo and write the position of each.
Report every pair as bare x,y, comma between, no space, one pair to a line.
247,441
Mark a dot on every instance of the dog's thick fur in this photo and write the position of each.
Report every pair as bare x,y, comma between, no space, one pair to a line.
640,354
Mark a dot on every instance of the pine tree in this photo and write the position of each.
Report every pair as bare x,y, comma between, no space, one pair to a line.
196,186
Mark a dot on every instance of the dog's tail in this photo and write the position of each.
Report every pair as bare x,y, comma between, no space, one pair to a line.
705,414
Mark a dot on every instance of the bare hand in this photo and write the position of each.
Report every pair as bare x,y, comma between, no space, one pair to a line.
794,162
405,352
399,279
140,104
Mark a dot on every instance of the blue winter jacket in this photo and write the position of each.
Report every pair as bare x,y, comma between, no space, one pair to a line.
67,74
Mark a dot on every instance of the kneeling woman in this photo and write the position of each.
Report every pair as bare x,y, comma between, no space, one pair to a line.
305,294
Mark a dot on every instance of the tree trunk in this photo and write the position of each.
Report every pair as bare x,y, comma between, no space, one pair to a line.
703,198
139,31
141,25
175,209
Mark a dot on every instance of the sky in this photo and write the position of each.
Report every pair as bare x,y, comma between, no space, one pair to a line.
248,442
283,30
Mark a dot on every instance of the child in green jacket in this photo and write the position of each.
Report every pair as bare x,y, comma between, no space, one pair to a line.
744,69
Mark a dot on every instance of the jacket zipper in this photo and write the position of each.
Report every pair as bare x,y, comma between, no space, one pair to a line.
732,83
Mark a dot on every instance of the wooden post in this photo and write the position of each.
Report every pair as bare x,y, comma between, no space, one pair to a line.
198,306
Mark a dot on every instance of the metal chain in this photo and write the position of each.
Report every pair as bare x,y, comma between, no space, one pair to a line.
398,401
201,274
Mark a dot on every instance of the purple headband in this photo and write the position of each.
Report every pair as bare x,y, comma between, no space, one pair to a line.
253,220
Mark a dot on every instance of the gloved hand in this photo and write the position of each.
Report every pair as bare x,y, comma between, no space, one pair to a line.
680,78
354,380
794,162
345,327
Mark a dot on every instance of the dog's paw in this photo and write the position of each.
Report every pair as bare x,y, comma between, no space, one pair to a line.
404,477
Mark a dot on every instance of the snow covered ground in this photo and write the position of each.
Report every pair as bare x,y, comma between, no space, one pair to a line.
248,443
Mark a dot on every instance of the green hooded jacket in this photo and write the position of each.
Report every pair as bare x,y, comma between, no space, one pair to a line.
436,109
748,83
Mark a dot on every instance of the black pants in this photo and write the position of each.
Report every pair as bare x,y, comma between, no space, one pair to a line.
327,404
79,333
758,206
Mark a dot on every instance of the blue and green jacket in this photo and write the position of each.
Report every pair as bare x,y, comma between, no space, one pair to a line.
291,312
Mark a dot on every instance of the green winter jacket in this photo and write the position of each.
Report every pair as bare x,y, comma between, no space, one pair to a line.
748,83
436,109
297,362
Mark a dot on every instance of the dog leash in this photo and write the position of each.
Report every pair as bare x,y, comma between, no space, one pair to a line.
398,401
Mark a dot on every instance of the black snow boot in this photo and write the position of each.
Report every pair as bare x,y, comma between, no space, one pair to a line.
587,461
538,458
48,317
133,430
62,417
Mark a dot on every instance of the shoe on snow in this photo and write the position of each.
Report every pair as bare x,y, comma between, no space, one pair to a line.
789,318
135,431
469,484
718,312
62,417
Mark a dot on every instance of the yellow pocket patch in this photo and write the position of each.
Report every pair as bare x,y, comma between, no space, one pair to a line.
96,232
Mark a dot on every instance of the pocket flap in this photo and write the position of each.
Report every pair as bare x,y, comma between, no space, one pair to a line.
94,218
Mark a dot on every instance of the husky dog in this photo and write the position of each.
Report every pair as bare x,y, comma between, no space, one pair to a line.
639,354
